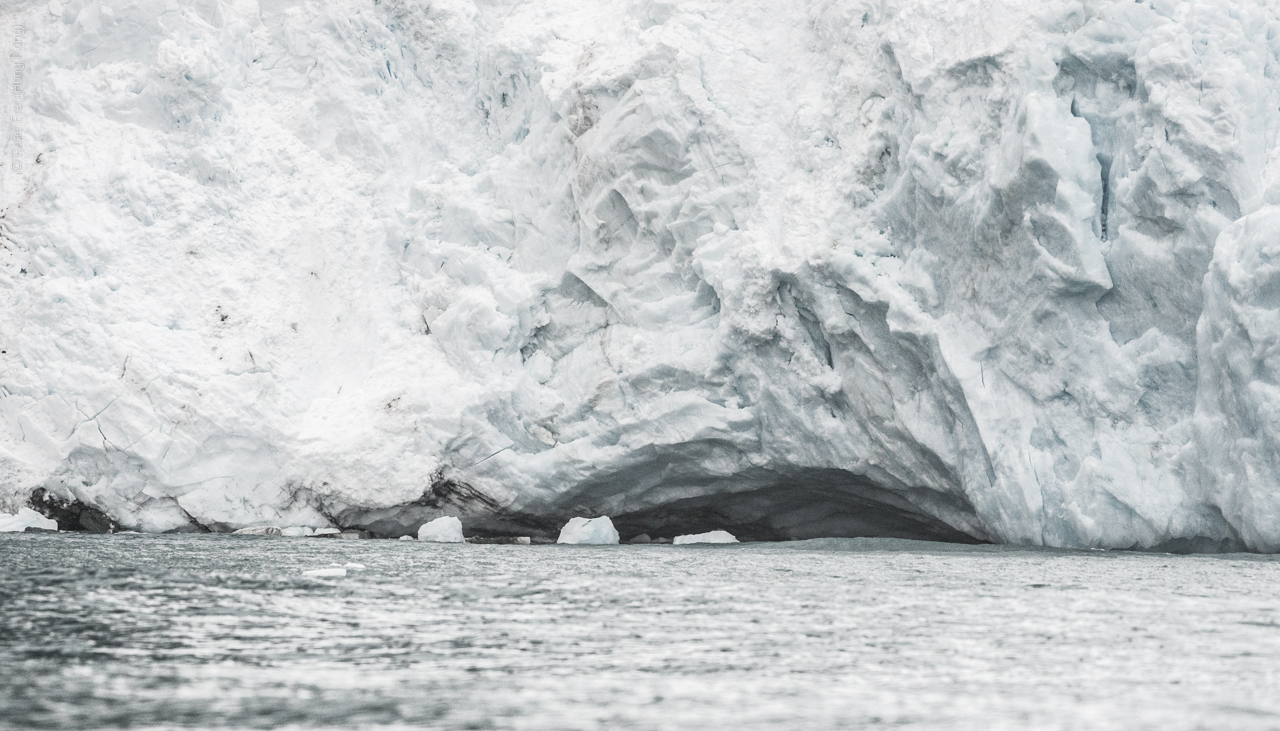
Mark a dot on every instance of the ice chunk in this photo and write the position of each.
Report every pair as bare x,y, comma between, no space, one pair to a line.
297,531
354,566
715,536
326,532
442,530
326,573
407,538
25,518
259,530
593,531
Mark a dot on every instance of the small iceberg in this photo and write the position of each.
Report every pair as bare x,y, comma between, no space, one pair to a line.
259,530
442,530
407,538
25,518
325,573
592,531
326,532
354,566
297,531
715,536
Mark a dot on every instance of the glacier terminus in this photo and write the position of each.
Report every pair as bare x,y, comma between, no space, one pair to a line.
997,272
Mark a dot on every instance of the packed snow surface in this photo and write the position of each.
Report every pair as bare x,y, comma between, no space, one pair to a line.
24,519
589,531
997,271
715,536
442,530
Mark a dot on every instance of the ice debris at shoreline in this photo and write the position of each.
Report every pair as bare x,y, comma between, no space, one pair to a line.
715,536
326,573
24,519
442,530
592,531
260,530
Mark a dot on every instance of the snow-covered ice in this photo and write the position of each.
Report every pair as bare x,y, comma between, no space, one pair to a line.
297,531
23,519
990,271
589,531
715,536
442,530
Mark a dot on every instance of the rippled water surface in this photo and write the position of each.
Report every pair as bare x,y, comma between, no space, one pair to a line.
134,631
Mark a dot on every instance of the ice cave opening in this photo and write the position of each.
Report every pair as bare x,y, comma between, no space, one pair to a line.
796,505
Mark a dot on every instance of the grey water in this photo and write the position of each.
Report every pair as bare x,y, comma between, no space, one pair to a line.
184,632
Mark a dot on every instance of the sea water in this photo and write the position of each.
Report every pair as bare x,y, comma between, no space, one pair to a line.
217,631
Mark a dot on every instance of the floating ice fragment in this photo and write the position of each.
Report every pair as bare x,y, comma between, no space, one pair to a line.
407,538
326,532
259,530
593,531
715,536
25,518
355,566
325,573
442,530
297,531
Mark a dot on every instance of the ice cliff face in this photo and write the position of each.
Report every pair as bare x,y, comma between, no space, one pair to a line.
1000,271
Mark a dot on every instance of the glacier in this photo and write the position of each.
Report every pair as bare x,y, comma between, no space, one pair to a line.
1004,271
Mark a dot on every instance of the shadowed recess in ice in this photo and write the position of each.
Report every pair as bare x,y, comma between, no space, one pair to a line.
964,271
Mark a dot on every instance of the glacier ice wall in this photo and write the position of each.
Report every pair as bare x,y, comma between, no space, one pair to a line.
1002,271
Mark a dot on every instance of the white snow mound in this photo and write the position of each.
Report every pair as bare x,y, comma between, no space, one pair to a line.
25,518
442,530
715,536
589,531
